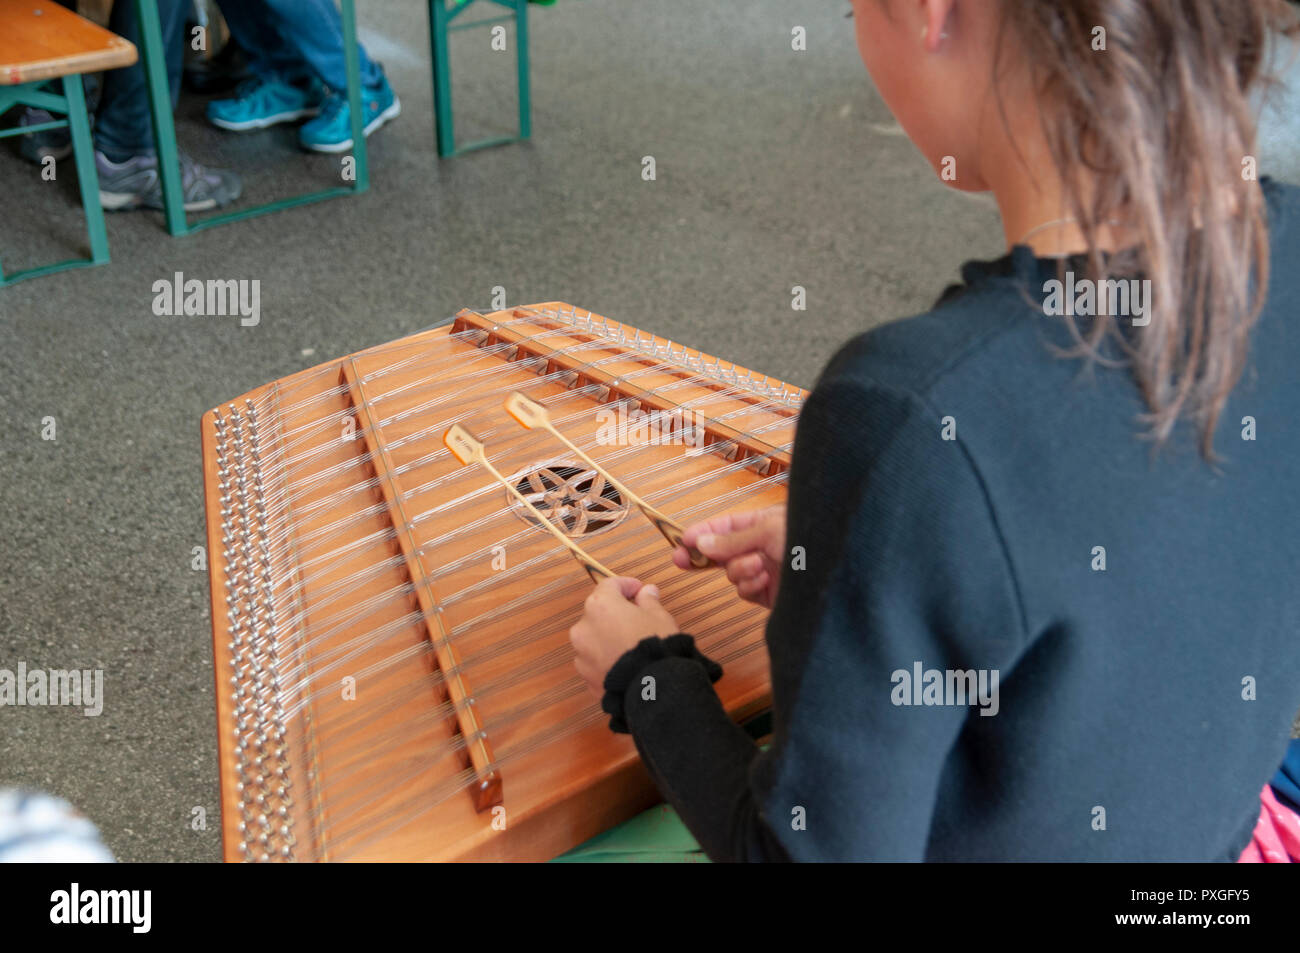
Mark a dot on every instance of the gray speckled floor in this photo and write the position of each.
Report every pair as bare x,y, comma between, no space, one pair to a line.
775,169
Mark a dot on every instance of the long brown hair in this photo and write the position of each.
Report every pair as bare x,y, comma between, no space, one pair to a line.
1158,131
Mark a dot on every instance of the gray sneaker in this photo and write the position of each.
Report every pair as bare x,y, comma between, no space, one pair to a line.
135,184
36,146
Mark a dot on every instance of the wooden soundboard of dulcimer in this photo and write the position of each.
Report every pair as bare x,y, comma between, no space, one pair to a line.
390,622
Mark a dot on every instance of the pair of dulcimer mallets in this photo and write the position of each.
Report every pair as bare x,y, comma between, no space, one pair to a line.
531,415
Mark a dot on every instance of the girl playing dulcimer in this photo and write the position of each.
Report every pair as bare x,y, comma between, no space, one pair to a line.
1034,594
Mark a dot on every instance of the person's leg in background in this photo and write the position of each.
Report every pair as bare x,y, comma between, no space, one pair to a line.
284,88
124,145
314,28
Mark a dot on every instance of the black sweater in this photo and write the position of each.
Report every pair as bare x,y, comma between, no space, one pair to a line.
1140,707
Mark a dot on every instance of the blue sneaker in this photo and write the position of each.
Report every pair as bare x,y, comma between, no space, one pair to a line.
265,101
331,131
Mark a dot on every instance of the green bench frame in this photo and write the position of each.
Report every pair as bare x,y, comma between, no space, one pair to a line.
71,104
442,21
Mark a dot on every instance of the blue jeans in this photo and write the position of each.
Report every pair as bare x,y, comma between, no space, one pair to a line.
291,37
123,126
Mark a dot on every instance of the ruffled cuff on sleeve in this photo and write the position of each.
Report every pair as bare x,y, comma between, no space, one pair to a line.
627,670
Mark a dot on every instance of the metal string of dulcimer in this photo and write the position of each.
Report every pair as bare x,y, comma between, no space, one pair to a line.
339,528
390,617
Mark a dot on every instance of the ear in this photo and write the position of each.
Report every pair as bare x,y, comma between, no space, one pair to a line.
937,18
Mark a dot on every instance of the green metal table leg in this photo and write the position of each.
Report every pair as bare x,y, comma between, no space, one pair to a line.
444,129
160,103
521,61
71,104
441,19
352,61
83,151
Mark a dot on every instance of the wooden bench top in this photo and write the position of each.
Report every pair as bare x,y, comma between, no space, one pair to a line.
41,40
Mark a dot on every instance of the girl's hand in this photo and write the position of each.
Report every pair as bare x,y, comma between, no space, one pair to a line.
618,614
750,544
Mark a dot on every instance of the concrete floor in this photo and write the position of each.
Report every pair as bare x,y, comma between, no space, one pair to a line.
775,168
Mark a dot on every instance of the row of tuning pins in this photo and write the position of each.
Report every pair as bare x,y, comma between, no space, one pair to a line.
260,743
670,352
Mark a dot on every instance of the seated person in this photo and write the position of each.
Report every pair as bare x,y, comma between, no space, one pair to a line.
295,50
125,158
957,674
